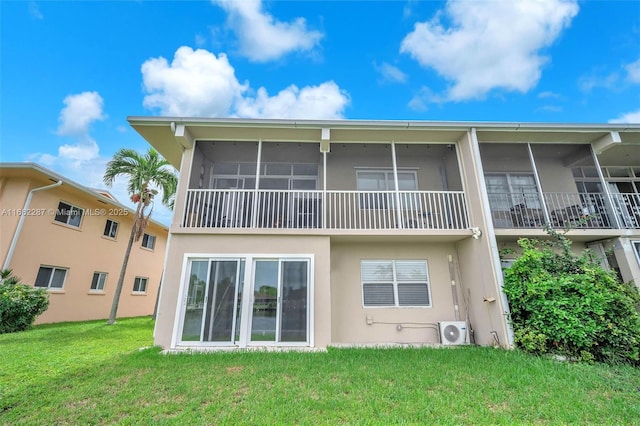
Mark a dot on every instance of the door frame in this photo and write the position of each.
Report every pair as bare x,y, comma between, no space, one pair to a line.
247,302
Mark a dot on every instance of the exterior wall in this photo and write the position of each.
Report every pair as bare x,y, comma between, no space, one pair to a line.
628,260
478,258
83,251
13,194
418,325
317,246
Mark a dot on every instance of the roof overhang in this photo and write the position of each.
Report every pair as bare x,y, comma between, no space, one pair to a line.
171,135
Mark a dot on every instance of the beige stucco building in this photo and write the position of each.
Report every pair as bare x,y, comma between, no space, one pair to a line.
70,239
317,233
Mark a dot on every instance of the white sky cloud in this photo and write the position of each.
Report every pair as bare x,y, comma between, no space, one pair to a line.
200,84
489,44
633,71
391,73
630,117
196,83
323,101
263,38
34,11
79,113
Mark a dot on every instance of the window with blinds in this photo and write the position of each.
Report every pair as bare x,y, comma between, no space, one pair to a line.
395,283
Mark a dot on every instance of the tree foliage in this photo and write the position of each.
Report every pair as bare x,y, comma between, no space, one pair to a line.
568,304
20,304
144,173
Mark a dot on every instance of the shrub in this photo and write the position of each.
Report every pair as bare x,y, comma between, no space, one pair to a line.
567,304
20,304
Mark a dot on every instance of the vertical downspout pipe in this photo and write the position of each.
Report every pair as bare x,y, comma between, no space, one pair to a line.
16,234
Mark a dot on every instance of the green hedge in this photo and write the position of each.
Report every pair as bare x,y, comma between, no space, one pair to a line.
567,304
20,304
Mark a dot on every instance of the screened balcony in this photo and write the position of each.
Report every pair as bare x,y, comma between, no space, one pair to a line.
529,186
249,185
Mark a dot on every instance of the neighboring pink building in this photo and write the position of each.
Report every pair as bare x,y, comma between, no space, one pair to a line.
72,241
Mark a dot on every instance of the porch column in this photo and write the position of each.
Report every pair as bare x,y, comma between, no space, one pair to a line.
538,185
254,209
395,182
325,146
605,187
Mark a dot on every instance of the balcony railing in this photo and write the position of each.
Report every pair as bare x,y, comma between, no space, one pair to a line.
565,210
339,210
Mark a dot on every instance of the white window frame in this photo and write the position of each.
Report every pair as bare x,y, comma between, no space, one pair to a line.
73,211
388,178
137,280
53,271
148,237
395,282
108,234
636,249
249,259
100,283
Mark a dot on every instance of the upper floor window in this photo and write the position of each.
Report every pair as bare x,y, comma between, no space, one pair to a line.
140,285
148,241
98,281
68,214
50,277
110,229
383,180
395,283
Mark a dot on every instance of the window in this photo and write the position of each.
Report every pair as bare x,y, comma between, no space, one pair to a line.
68,214
97,283
140,285
50,277
148,241
636,247
382,180
110,229
395,283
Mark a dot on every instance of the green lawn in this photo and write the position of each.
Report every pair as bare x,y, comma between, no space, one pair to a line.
91,373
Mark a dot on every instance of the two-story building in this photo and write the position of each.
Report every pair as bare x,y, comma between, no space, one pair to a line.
316,233
71,240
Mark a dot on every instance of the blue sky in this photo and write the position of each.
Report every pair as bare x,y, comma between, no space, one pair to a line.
71,72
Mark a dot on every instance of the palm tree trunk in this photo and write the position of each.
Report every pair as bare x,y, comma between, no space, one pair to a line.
123,271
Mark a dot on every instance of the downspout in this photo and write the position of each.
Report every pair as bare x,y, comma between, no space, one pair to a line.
16,234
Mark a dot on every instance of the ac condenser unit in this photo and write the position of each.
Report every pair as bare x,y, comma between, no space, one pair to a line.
453,332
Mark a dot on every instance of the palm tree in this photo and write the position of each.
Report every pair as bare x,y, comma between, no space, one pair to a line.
145,173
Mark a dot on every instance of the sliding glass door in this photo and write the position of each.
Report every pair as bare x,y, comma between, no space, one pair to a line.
275,309
279,312
212,312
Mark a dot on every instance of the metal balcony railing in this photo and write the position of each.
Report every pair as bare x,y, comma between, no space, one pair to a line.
565,210
338,210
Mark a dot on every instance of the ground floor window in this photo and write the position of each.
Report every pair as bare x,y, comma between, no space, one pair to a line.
51,277
636,249
395,283
246,300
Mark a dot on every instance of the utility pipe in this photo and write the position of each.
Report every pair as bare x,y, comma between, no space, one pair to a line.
16,234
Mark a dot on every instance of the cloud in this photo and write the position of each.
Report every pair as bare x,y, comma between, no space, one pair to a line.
323,101
261,37
79,113
34,11
489,44
197,83
630,117
549,95
587,83
390,73
422,98
633,72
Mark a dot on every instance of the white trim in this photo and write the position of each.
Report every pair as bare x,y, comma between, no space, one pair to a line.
249,260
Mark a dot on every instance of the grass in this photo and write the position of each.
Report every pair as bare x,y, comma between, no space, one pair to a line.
91,373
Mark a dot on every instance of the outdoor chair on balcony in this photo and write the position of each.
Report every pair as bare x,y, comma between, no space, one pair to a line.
576,216
523,217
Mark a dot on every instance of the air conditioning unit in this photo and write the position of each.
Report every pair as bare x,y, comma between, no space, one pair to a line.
453,332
